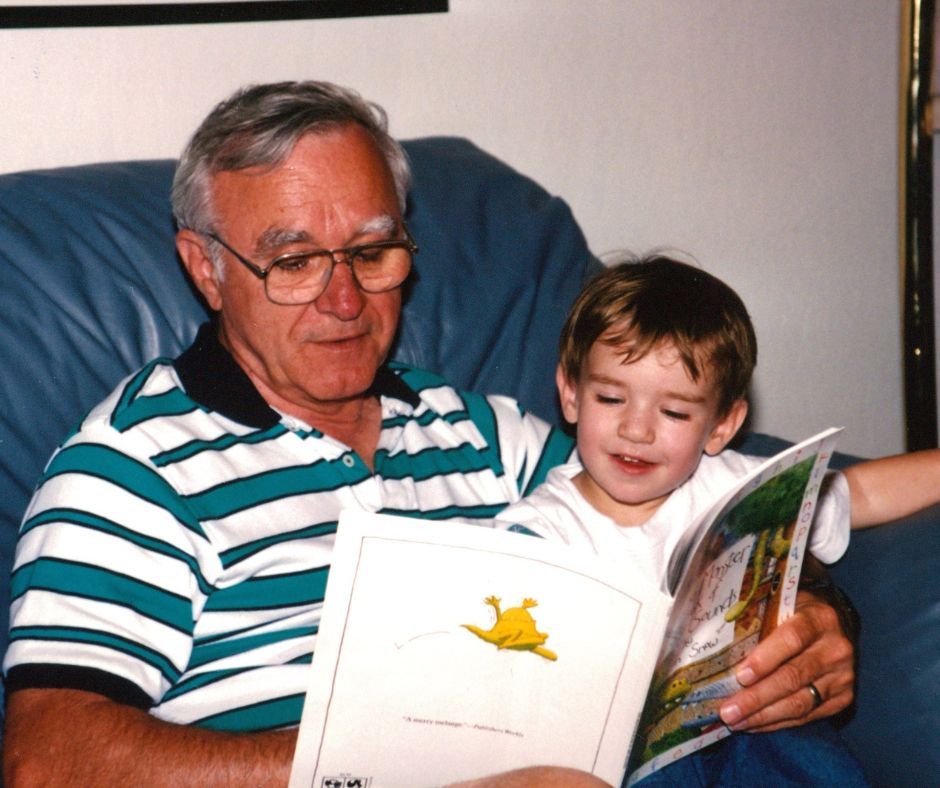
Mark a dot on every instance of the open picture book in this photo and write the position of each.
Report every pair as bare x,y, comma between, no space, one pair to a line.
449,651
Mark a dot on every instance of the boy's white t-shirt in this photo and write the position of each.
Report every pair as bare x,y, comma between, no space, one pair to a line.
557,510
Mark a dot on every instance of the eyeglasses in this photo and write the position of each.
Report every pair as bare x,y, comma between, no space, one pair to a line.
300,277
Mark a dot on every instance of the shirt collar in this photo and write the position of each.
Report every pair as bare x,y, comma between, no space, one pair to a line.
212,377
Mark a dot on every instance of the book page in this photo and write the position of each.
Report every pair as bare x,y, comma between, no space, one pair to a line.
448,651
739,581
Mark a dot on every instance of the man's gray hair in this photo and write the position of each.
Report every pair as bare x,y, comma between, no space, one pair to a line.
259,125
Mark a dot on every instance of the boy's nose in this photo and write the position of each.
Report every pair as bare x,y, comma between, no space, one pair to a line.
637,428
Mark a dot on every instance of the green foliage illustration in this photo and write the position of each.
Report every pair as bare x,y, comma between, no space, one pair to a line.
773,505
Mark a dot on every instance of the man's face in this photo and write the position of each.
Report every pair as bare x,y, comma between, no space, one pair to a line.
642,428
334,190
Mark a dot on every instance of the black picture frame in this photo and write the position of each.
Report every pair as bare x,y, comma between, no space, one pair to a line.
33,16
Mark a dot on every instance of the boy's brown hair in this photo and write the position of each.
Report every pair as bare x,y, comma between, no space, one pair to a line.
638,304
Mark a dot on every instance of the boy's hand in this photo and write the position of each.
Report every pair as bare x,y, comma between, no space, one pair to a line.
809,647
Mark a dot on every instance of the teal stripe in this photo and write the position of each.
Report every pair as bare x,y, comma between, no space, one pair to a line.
133,386
265,716
169,403
231,557
90,582
210,652
479,512
240,494
199,681
268,593
431,462
417,379
192,448
103,462
556,451
425,418
485,420
422,419
517,528
103,639
95,523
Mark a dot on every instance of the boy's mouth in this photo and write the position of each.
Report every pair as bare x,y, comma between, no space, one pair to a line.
632,464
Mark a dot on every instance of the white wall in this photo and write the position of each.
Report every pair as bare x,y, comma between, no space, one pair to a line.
758,135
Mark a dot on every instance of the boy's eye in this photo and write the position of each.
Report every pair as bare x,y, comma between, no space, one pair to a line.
677,415
603,399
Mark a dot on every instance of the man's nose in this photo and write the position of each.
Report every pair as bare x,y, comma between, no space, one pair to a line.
342,296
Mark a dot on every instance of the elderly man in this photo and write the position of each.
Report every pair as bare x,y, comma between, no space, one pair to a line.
172,563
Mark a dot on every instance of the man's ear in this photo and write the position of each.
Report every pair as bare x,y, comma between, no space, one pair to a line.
567,395
727,427
198,264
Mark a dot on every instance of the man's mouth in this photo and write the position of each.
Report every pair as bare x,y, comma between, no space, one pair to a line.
339,341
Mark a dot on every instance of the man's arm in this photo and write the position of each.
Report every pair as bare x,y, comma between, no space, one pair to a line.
61,737
815,645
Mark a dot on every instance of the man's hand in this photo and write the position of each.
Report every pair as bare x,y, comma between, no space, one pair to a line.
809,647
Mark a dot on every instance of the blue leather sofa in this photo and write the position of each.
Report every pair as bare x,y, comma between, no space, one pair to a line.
91,289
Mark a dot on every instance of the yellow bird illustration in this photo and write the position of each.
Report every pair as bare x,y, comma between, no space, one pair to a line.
514,629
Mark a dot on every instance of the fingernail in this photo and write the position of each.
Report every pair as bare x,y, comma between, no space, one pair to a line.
730,714
745,676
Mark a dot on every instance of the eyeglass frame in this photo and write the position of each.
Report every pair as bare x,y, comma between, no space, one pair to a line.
348,251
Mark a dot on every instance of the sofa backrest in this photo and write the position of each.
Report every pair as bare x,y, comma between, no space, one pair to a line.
92,289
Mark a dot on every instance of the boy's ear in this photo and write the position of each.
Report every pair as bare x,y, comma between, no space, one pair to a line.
567,396
198,264
727,427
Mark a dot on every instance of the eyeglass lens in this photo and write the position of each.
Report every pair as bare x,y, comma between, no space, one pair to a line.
302,278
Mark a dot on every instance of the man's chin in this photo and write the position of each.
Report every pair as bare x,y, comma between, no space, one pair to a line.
339,391
338,377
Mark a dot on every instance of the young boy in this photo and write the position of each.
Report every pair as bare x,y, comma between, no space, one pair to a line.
656,358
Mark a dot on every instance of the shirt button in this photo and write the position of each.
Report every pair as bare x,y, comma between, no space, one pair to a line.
348,460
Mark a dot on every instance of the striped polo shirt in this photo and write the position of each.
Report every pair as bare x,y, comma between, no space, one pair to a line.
175,554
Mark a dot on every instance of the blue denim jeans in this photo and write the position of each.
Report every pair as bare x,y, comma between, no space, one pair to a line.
810,755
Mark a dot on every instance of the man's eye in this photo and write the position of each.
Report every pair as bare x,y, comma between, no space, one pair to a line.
368,254
293,265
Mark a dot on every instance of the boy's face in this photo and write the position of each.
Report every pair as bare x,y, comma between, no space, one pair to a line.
642,428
